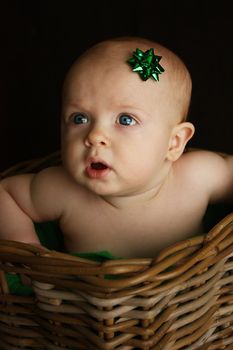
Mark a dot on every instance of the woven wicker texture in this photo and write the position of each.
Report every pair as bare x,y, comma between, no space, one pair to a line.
181,299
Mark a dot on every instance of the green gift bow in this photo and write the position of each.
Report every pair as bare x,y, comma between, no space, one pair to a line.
146,64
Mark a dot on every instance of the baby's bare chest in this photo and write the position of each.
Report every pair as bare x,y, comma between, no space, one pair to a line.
139,232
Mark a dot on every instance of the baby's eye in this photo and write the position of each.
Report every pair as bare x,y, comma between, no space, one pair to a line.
80,119
125,119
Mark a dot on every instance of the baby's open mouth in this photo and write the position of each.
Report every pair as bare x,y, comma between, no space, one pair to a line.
98,166
97,170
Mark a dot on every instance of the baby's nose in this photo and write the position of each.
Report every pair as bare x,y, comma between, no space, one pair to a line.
97,138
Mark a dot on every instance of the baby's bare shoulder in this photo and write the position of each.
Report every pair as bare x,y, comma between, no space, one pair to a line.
51,176
206,162
211,170
52,192
55,182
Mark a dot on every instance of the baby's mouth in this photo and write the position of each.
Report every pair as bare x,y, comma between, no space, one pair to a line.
98,166
97,169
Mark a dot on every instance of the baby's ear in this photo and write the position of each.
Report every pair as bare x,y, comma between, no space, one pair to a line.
180,135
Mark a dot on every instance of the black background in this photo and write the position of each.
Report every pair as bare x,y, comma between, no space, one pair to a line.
41,39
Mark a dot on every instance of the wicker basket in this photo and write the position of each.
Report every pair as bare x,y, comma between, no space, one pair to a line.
182,299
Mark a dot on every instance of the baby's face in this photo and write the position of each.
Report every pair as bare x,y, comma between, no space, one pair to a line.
115,128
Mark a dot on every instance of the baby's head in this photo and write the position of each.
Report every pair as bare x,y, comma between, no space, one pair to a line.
108,106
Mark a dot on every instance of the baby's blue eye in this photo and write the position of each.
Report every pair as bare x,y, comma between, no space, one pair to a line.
80,119
125,119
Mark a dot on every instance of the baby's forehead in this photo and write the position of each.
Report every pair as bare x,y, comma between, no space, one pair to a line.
108,58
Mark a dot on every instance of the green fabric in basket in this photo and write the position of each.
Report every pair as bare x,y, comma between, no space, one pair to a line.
97,256
16,287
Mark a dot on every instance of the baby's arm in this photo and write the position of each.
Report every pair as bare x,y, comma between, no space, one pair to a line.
25,199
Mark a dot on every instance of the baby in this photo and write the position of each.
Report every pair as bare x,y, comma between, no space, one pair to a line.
126,185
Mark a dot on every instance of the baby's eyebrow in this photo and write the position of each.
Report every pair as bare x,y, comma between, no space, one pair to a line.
133,109
73,104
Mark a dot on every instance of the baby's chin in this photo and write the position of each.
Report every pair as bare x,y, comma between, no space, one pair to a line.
102,190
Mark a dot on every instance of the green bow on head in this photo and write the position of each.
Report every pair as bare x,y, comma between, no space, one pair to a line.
146,64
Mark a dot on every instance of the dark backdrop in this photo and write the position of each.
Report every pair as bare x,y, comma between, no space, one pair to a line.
40,40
